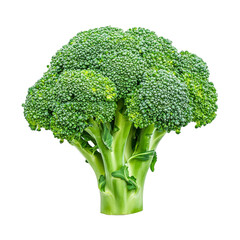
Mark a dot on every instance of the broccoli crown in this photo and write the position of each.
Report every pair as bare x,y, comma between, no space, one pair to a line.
88,76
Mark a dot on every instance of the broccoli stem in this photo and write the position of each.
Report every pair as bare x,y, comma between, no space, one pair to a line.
129,144
113,159
120,137
139,168
116,198
126,202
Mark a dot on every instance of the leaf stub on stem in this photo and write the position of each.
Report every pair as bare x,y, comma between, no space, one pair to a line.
102,183
123,174
143,156
107,136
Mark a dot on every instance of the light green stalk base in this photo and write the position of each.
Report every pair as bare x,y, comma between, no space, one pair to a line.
122,204
121,162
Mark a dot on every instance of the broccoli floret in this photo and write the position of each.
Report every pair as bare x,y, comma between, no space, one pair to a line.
124,68
38,107
161,99
114,94
202,93
81,95
157,52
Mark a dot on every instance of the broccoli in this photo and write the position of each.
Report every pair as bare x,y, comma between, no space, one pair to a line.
113,95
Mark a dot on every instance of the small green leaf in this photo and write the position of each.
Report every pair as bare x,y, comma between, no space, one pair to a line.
94,149
86,161
107,137
115,129
123,174
83,143
131,187
143,156
102,183
154,160
131,183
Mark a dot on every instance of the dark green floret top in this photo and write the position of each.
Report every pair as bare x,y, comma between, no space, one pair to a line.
67,103
202,93
98,68
161,99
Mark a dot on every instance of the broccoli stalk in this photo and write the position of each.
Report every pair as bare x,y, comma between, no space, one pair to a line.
121,162
114,95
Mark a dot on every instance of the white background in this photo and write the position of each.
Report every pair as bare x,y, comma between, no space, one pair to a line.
48,192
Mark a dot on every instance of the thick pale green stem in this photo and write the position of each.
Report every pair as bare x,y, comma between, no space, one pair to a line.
148,140
120,204
116,193
116,196
128,149
139,168
120,137
95,131
117,157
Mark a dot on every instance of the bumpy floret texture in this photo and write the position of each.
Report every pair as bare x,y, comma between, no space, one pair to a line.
85,49
125,69
66,105
202,93
98,67
161,99
157,52
121,56
39,104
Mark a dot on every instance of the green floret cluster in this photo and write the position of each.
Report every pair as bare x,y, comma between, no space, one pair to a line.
170,112
124,68
86,49
193,71
157,52
80,96
67,103
114,94
38,107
